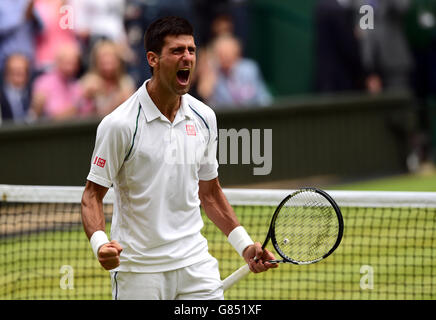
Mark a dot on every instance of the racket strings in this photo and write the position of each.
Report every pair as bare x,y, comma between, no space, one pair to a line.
306,227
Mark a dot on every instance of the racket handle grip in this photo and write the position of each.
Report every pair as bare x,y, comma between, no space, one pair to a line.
235,277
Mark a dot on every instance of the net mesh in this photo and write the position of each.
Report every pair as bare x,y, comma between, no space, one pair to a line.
387,251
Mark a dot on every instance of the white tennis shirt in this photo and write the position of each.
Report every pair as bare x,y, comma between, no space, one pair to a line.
155,166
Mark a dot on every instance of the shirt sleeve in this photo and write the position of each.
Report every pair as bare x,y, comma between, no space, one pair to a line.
111,147
209,165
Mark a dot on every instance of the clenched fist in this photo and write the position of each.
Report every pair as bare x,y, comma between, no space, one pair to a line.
257,258
109,255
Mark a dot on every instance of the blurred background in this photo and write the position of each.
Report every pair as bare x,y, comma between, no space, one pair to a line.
349,93
345,87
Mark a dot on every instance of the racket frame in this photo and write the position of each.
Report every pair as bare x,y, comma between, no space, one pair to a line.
244,270
271,231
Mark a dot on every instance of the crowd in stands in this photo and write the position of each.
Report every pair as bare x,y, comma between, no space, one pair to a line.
361,49
396,51
64,59
71,59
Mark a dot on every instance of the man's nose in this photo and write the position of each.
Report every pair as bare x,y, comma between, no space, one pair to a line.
188,55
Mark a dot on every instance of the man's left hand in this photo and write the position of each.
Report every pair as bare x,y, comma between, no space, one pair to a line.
257,259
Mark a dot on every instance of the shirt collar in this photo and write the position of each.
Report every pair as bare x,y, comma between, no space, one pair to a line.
152,112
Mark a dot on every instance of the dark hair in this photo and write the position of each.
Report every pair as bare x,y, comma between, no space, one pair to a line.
159,29
166,26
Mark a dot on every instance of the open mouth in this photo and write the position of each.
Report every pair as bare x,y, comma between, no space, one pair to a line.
183,76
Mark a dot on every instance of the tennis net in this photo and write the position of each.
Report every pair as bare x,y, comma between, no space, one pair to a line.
387,252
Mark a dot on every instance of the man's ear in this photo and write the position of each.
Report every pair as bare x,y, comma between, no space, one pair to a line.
152,58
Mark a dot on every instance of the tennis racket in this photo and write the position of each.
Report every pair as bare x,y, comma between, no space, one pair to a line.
306,227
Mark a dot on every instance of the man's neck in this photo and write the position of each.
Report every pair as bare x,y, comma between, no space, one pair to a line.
168,103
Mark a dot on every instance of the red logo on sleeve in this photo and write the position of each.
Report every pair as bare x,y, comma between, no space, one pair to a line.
190,130
99,161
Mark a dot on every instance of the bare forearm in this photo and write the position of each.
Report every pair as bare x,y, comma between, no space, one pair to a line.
218,209
92,212
92,218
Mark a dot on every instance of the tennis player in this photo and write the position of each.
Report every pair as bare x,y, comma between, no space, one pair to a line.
158,150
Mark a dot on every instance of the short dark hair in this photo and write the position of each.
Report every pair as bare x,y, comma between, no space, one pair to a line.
166,26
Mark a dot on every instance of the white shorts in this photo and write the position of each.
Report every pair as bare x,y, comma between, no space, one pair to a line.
200,281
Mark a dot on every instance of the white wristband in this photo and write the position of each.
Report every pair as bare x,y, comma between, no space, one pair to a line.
98,239
239,239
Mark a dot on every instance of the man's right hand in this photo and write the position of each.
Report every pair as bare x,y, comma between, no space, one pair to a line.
109,255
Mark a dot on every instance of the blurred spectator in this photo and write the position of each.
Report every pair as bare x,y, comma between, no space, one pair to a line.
385,53
57,94
338,66
106,85
212,18
222,24
226,79
18,25
52,36
97,20
15,91
421,31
